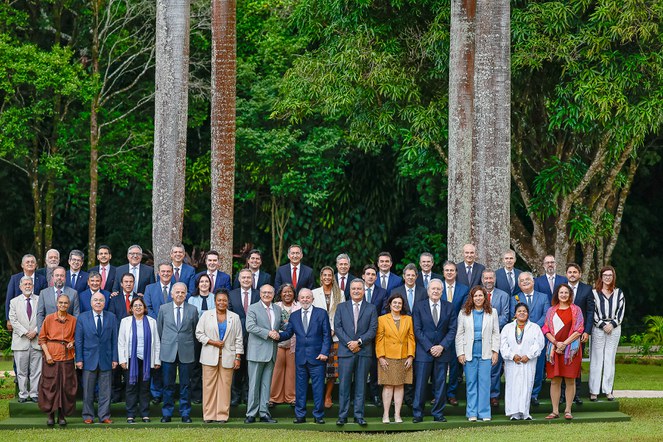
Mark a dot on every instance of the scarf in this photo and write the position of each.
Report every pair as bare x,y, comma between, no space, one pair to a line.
147,352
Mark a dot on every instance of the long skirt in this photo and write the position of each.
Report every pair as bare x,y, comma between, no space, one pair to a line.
57,387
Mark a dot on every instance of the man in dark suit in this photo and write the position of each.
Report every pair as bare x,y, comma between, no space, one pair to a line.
52,261
410,291
469,271
343,275
548,282
76,278
176,324
296,273
355,325
182,272
93,287
104,268
583,297
119,306
377,296
259,277
456,294
538,304
29,266
386,279
426,262
311,327
435,331
219,279
96,355
506,278
158,294
143,274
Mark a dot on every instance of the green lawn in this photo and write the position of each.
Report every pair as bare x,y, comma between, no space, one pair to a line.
634,376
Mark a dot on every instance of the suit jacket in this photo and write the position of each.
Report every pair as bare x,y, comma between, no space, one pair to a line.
177,342
428,334
145,277
460,295
85,297
348,279
117,306
263,278
47,303
110,276
125,335
261,348
304,277
420,293
221,281
537,309
378,298
541,284
395,342
500,301
94,350
344,328
187,274
14,290
420,279
316,340
502,281
490,335
584,298
154,298
18,316
477,270
81,281
392,282
208,328
237,306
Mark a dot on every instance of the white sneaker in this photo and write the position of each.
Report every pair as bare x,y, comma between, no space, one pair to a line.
486,419
472,419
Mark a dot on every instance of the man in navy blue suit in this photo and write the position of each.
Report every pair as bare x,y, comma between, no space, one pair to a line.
143,274
469,271
435,331
377,296
182,272
355,324
258,277
386,279
94,287
96,355
506,278
220,280
311,327
343,275
538,304
410,291
548,282
76,278
120,306
104,268
158,293
426,262
296,273
29,266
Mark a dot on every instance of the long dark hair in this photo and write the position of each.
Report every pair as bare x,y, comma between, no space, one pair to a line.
469,302
201,276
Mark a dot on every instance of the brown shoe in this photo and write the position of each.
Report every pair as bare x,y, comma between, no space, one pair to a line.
452,401
494,402
106,421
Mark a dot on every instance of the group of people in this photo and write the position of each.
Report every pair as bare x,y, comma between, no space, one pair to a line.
391,339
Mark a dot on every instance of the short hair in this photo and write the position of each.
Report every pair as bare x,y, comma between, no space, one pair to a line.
177,284
343,256
555,298
487,270
128,274
165,263
436,280
177,246
521,304
198,279
291,246
410,266
77,253
396,296
104,246
59,268
244,270
211,252
363,284
530,274
135,246
511,252
449,263
222,291
138,299
28,256
94,274
369,266
253,252
427,254
286,285
53,250
574,265
387,254
25,278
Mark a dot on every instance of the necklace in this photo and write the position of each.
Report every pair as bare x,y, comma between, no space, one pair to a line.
519,334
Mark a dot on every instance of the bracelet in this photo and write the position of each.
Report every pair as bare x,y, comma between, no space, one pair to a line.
238,358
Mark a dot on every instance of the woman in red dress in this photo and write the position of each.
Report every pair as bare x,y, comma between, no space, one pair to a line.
563,328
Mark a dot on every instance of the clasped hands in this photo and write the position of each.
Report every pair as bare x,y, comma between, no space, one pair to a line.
273,334
436,351
353,346
520,359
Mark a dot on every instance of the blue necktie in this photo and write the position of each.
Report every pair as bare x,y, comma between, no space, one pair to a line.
410,298
99,325
179,317
368,295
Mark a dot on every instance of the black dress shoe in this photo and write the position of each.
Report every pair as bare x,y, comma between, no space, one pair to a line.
268,420
209,421
416,420
535,402
165,419
319,420
221,422
341,421
22,400
577,400
361,421
196,401
249,419
186,419
299,420
452,401
440,419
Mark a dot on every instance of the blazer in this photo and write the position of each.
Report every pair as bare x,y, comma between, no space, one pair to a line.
541,284
14,289
110,276
124,343
395,342
500,302
81,281
236,305
85,297
316,340
208,328
263,278
428,334
18,317
420,279
378,298
187,274
117,305
304,277
177,342
145,277
537,309
420,294
93,350
221,281
47,303
261,348
460,295
348,279
319,301
584,298
154,298
490,335
502,281
392,282
461,276
344,328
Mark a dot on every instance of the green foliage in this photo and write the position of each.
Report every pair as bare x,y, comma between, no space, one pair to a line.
654,332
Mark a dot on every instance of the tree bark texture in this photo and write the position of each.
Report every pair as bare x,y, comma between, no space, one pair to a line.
479,129
171,106
224,68
94,143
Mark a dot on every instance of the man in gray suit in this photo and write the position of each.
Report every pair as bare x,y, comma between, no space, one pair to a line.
48,298
176,324
263,320
355,324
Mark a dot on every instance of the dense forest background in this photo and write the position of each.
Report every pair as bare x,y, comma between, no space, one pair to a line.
341,128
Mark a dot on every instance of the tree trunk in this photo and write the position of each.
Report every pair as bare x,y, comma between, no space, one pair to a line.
224,61
170,125
479,129
38,228
94,142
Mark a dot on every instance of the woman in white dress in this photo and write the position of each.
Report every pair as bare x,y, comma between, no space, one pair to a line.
521,343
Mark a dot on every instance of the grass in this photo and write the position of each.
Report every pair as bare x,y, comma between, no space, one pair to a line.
634,376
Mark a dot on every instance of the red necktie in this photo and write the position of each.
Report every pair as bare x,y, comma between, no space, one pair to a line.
211,281
246,302
127,303
342,283
294,277
490,295
103,277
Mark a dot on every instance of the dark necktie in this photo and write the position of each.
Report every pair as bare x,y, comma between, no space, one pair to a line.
28,308
73,280
179,317
436,316
342,283
368,295
165,294
177,274
99,324
529,299
511,281
426,281
245,302
204,306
